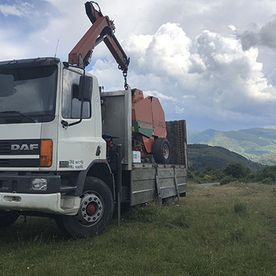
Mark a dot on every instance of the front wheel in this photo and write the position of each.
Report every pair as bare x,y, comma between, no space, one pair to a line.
95,213
8,218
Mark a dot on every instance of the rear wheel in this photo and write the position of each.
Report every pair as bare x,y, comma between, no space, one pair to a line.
8,218
95,213
161,151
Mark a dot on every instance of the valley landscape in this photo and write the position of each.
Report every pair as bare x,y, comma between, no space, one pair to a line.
257,144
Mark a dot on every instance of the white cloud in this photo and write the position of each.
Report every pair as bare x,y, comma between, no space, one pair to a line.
232,71
232,28
166,52
211,74
159,96
18,9
10,10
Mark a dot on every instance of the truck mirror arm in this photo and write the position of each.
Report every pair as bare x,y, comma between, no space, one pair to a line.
64,123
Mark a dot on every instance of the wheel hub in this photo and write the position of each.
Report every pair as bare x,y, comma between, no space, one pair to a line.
91,210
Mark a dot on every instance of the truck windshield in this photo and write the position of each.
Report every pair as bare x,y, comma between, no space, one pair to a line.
28,94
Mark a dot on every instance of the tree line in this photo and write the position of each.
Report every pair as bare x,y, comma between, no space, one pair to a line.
233,172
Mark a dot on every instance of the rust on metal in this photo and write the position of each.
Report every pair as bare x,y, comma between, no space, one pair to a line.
148,119
85,46
102,30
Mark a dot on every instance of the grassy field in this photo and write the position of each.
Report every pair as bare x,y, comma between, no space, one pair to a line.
221,230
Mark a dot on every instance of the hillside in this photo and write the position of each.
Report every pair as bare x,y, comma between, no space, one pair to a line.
256,144
201,157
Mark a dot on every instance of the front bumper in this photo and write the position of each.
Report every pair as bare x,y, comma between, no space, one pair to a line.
45,203
17,193
15,183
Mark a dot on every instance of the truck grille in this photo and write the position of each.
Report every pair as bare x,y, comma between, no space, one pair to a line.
4,163
19,147
25,148
5,147
19,163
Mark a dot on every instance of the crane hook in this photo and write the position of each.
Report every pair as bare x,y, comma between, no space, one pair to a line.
126,86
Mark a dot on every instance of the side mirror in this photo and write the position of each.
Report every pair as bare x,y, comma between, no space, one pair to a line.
86,87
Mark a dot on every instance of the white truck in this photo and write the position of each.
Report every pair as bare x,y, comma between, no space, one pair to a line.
66,148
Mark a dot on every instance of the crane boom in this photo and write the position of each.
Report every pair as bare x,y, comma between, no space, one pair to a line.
102,29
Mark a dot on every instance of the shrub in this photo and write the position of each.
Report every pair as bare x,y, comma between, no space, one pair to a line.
236,170
194,176
208,175
226,180
267,175
240,208
268,180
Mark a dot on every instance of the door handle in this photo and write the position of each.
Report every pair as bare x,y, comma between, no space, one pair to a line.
98,151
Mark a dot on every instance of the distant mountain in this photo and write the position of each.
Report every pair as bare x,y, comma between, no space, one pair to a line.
257,144
201,157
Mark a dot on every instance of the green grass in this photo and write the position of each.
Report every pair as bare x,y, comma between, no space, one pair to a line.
222,230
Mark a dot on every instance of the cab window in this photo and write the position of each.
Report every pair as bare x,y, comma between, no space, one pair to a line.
71,105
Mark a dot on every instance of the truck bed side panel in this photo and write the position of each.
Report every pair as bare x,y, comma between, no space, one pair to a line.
142,185
156,182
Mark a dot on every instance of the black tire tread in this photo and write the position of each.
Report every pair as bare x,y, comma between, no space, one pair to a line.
158,153
70,225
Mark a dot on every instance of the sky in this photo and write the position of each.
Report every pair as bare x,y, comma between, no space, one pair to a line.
210,62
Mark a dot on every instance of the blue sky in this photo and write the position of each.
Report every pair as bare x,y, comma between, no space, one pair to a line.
25,17
210,62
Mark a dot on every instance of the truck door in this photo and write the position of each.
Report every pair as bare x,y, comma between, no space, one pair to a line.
79,144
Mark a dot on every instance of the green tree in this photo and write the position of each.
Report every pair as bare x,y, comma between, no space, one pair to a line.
236,170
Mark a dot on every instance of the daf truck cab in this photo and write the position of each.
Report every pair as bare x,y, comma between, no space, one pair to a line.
52,154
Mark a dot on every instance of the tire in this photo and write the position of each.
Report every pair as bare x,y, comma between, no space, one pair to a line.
161,151
95,213
7,218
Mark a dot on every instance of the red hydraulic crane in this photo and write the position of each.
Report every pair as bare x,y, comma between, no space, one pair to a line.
149,126
102,29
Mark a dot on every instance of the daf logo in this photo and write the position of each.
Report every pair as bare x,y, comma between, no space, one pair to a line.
24,147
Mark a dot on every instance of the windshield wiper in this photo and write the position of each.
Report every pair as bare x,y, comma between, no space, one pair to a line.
22,115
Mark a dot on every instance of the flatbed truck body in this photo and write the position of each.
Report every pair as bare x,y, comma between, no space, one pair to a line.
142,182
